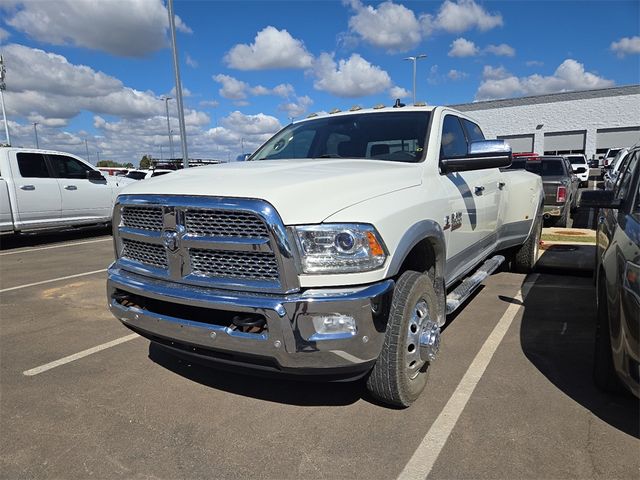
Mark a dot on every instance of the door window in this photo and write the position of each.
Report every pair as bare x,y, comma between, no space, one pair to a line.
473,131
32,165
453,143
624,182
67,167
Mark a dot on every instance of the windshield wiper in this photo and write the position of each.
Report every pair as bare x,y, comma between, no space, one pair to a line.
328,155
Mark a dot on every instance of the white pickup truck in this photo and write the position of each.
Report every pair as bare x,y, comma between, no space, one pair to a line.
336,250
43,189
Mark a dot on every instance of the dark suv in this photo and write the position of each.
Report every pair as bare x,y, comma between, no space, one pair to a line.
617,355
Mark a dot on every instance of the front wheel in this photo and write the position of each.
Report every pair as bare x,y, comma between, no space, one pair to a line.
400,373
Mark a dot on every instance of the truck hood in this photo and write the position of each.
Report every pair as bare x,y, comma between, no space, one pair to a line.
302,191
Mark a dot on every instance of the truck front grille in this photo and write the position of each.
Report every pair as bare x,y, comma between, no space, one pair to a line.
143,252
218,242
250,265
143,218
220,223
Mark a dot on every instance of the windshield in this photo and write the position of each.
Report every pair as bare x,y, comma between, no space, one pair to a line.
136,175
394,136
612,152
575,160
546,168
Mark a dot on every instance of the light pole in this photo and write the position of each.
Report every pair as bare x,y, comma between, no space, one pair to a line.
176,69
98,156
35,131
166,105
86,146
414,59
3,87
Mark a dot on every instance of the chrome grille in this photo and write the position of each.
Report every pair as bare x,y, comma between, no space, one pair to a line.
221,223
247,265
143,252
143,218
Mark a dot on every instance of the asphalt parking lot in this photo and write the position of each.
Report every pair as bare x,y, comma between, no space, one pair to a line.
510,396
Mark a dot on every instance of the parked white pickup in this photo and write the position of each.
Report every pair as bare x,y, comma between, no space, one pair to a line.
337,249
42,189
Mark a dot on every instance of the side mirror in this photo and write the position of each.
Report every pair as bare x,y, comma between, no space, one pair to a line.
581,170
94,175
599,199
481,155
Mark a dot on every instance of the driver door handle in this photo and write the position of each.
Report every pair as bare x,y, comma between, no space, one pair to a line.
28,187
479,189
70,187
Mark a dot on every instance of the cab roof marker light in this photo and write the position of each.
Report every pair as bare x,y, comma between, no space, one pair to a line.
420,104
335,110
312,115
355,108
378,106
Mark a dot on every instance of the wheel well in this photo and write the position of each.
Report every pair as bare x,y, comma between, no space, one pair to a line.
421,258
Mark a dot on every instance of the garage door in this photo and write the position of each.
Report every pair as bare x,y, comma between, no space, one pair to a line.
519,143
617,137
560,143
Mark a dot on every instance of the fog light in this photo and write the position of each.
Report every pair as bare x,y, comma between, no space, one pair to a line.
333,326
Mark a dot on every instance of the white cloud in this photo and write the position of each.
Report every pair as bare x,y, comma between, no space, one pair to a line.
534,63
462,47
297,107
502,50
209,103
43,83
235,89
131,29
494,73
232,88
569,76
399,92
354,77
191,62
460,16
272,48
456,74
3,34
626,46
390,26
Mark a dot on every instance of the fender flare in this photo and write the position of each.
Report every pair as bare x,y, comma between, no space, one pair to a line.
425,230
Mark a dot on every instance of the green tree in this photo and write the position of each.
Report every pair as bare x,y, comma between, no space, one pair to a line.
145,162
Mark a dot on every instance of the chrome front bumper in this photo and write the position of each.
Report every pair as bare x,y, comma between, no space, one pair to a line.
290,343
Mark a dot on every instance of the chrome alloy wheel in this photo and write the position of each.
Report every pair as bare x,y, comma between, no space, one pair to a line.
421,326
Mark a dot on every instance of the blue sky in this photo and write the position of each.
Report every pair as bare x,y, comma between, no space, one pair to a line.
95,70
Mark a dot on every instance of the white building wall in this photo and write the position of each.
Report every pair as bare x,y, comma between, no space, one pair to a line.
588,114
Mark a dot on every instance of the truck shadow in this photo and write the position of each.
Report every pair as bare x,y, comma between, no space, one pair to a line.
557,337
34,239
270,388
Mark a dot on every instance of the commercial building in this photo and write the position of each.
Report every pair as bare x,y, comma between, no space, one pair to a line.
588,122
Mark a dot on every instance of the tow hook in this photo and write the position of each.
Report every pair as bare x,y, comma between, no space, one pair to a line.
429,341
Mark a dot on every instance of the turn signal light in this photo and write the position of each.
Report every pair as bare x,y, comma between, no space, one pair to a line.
561,194
374,246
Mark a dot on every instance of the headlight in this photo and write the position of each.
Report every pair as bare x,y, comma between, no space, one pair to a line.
339,248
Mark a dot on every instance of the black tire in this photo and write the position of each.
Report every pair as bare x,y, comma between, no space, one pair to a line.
525,257
604,372
562,220
389,380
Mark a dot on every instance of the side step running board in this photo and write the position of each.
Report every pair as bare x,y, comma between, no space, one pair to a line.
458,295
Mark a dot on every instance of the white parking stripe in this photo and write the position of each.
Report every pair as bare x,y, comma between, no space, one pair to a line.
425,456
77,356
37,249
52,280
